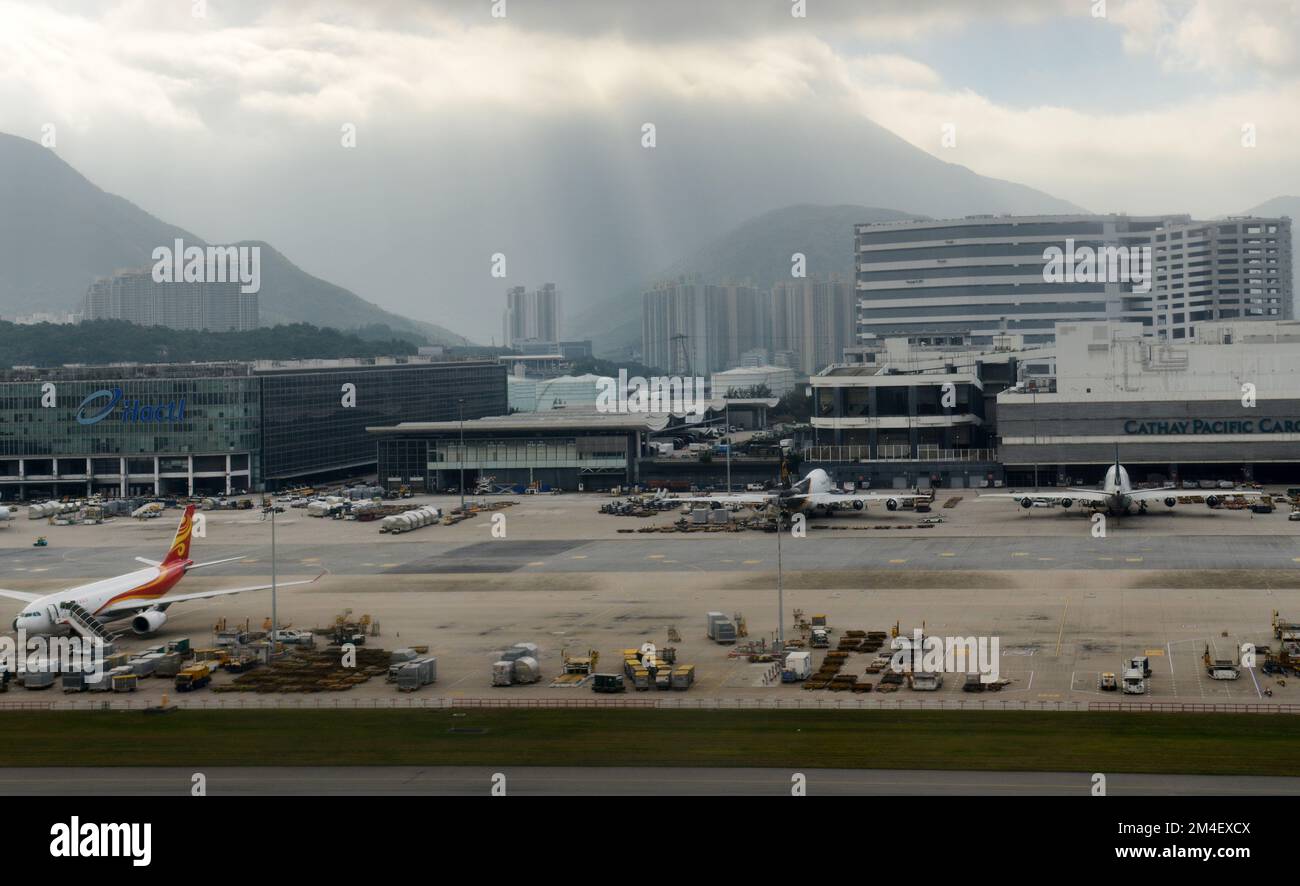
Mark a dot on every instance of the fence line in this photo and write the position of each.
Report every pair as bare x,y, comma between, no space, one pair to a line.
415,702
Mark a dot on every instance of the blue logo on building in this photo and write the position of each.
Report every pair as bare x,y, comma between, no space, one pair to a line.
132,410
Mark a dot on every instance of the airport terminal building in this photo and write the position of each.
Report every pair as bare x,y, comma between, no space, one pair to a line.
1224,406
180,429
569,448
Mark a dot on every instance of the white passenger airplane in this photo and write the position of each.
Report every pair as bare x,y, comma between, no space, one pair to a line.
1116,495
140,595
812,495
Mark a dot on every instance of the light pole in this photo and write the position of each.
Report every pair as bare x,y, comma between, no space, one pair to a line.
461,404
726,412
275,624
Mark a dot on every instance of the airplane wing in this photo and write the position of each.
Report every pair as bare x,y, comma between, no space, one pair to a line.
19,595
1056,498
164,602
751,498
834,499
204,595
1161,494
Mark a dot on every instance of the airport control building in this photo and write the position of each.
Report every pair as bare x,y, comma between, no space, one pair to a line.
178,429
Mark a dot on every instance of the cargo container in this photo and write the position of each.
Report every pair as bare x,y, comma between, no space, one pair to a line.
608,683
683,676
404,654
143,667
74,681
503,673
415,674
101,682
798,666
39,679
125,682
925,681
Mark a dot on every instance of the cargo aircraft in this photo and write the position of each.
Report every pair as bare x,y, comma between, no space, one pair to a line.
1116,496
140,595
813,495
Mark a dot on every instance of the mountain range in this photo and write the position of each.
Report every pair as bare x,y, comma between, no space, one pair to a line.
58,232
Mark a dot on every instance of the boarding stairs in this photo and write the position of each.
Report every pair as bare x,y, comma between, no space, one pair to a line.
83,622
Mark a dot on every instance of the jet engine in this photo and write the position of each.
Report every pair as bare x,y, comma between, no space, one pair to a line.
148,622
1211,501
858,505
1170,502
1026,503
892,504
1067,502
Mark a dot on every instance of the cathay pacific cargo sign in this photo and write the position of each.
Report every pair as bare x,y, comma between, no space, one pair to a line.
103,403
1219,426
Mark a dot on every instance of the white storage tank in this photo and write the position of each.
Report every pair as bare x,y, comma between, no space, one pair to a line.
527,670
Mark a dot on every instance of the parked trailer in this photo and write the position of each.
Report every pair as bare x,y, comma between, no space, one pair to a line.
416,674
798,666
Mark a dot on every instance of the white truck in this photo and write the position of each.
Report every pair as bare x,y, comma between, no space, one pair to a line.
1134,682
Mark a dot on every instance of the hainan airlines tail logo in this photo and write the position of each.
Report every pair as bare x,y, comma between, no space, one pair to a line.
101,404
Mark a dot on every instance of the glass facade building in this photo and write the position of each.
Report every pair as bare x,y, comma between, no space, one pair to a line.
314,423
176,429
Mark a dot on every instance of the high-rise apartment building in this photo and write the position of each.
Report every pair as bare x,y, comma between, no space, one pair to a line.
708,328
535,316
136,297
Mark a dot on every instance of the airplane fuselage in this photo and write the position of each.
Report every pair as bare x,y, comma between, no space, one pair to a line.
108,599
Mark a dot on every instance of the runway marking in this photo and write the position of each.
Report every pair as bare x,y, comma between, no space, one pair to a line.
311,560
947,554
655,557
1132,559
1020,553
389,565
578,557
1046,559
536,563
752,562
726,561
1061,634
898,562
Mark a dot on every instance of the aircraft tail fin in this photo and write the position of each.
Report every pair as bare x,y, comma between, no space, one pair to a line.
180,549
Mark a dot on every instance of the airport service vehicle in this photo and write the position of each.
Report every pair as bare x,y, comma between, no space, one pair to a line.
1117,495
141,596
194,677
1107,683
607,683
814,494
1141,663
1134,683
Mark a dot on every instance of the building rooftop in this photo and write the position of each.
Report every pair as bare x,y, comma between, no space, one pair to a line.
568,418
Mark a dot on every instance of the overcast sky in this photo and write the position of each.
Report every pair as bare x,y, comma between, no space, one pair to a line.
478,134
